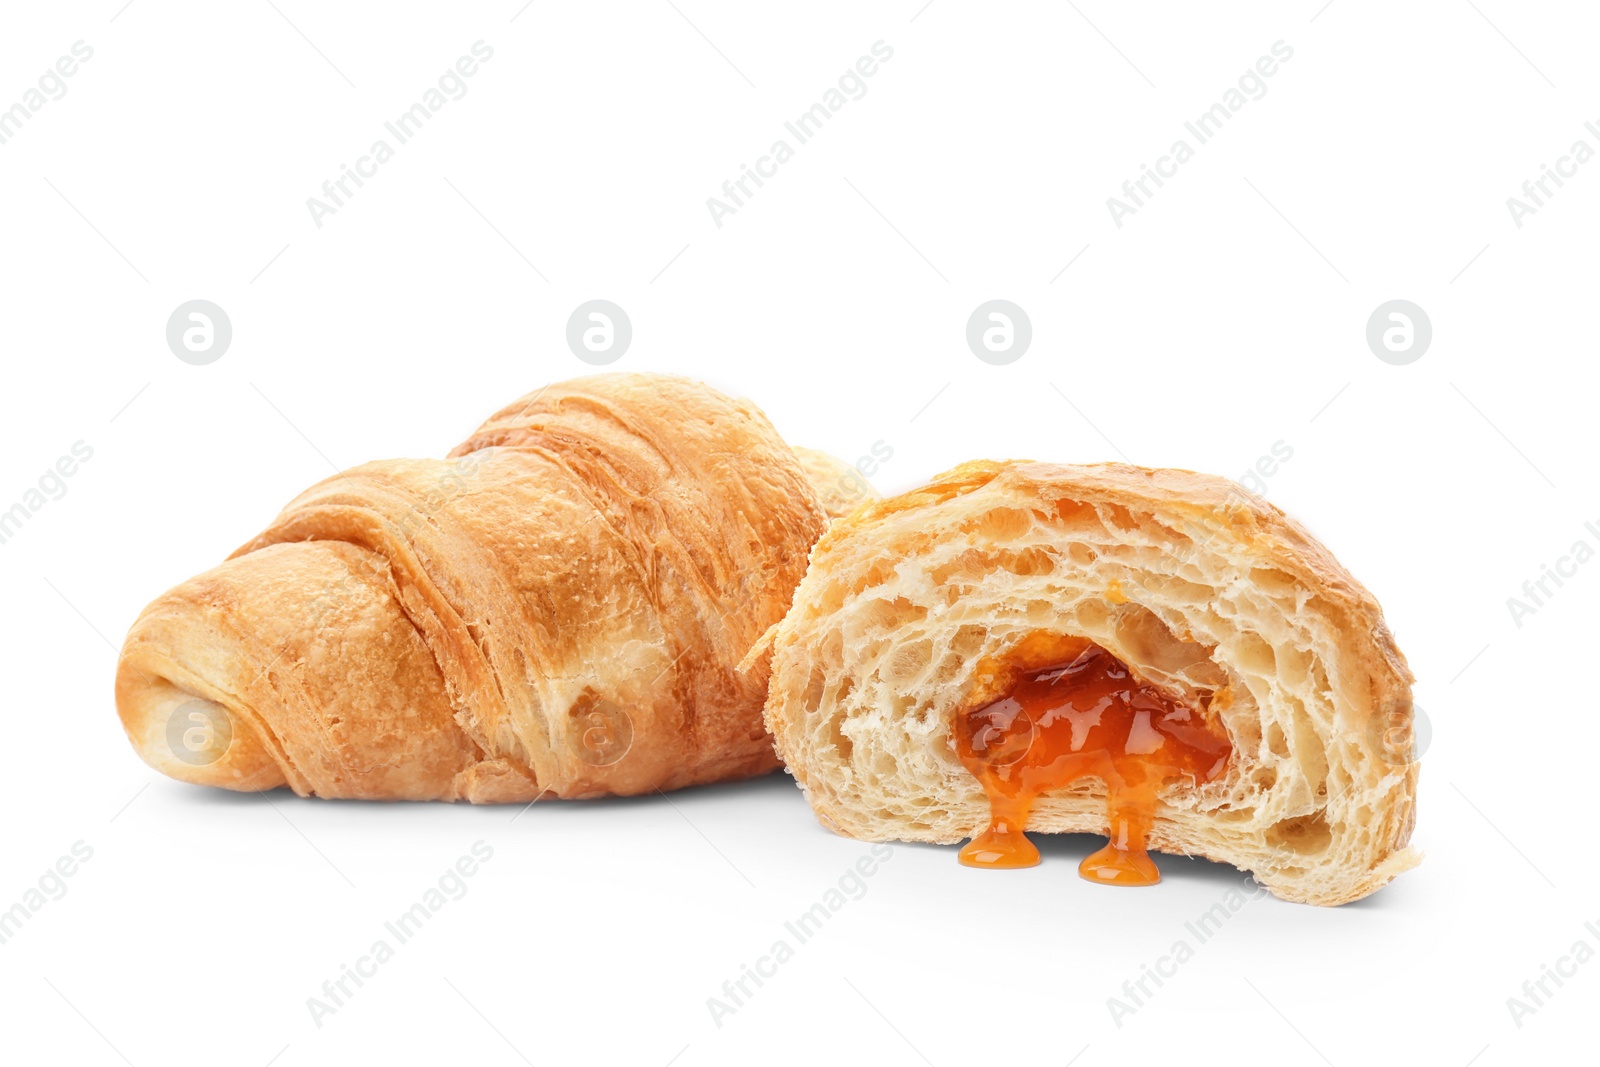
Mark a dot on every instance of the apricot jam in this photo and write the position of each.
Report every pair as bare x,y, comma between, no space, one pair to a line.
1084,715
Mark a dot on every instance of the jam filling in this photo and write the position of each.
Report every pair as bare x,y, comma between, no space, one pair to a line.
1083,715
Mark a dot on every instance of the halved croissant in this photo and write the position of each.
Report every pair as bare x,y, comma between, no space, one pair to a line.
557,609
917,609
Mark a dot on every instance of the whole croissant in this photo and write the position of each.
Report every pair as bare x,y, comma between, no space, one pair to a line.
559,608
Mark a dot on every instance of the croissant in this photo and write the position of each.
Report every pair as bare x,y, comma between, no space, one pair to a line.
559,609
840,487
1152,655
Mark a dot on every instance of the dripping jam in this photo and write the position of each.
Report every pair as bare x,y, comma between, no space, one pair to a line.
1080,713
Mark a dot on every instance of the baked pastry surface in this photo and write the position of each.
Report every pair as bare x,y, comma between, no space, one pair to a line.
1206,592
557,608
840,487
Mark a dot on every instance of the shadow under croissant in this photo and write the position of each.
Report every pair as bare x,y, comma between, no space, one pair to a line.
747,797
1071,849
1065,851
771,784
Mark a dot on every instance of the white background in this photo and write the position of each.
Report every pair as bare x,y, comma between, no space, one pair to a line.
1225,316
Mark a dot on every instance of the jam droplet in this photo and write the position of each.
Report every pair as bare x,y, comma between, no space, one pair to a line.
1087,716
1003,845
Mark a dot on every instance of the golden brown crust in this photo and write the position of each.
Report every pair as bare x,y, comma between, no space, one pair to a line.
558,608
840,487
1194,582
